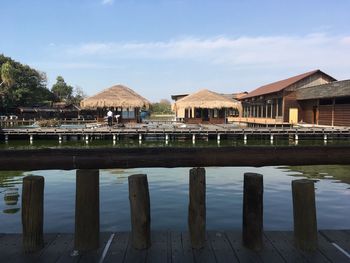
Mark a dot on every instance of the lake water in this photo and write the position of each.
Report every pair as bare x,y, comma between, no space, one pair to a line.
169,197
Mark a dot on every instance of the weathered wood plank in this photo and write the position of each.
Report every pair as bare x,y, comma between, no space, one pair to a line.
221,247
118,248
269,254
57,247
101,158
244,254
11,249
284,247
135,255
158,252
339,237
311,256
187,247
204,254
329,251
95,255
178,253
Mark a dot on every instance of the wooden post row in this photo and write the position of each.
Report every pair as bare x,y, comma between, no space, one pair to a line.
33,213
253,211
87,210
197,208
140,211
304,211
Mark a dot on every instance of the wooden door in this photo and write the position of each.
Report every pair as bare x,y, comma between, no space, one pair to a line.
293,115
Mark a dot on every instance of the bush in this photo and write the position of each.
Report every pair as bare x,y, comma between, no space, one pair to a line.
48,123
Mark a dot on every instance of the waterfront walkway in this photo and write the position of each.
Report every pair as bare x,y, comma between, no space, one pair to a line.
172,247
168,132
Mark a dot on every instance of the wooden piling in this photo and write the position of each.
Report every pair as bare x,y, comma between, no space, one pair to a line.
33,213
87,210
304,211
140,211
253,211
197,208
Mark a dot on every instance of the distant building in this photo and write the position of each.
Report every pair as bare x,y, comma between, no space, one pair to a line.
122,100
326,104
277,101
205,106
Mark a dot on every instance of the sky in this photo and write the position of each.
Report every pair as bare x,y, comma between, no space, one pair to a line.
164,47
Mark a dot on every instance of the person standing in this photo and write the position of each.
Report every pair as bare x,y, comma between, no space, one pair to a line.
110,117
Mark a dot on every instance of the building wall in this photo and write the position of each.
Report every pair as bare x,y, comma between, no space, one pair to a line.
342,115
289,97
325,114
307,111
200,120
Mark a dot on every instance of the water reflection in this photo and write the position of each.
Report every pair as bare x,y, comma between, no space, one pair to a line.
169,197
9,181
333,172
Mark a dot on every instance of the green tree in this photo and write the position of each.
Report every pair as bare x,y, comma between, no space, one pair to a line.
7,75
78,95
22,85
162,107
62,91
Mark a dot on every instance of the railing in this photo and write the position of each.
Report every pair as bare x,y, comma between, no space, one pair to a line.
87,226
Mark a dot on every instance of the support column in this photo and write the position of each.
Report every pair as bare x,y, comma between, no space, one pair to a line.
253,211
33,213
304,211
87,210
140,211
197,208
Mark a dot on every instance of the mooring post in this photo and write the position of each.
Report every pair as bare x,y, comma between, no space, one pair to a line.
33,213
87,210
253,211
197,208
304,211
140,211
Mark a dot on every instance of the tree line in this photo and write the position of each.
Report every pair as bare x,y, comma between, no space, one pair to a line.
21,85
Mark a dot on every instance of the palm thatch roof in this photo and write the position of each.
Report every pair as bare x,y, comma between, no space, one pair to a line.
116,96
206,99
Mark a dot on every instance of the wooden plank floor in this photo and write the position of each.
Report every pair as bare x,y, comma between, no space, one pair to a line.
174,247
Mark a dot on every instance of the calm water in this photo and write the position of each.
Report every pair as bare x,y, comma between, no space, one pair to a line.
169,197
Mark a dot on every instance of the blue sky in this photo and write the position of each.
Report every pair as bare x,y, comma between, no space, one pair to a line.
164,47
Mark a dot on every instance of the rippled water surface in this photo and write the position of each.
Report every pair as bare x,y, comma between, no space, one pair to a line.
169,197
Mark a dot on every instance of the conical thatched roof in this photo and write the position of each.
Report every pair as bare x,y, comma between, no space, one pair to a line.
206,99
116,96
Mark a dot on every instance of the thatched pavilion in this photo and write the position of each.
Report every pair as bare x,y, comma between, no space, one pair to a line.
120,99
206,106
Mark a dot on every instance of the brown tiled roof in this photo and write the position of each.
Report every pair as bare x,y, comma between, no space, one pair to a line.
280,85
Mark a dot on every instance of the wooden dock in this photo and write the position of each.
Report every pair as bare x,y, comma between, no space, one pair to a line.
171,132
173,247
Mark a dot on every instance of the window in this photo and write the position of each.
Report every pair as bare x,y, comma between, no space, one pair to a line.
344,100
326,102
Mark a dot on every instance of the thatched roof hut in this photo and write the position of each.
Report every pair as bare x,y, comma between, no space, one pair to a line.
206,99
117,96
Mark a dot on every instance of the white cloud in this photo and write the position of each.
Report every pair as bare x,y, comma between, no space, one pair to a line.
107,2
308,50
